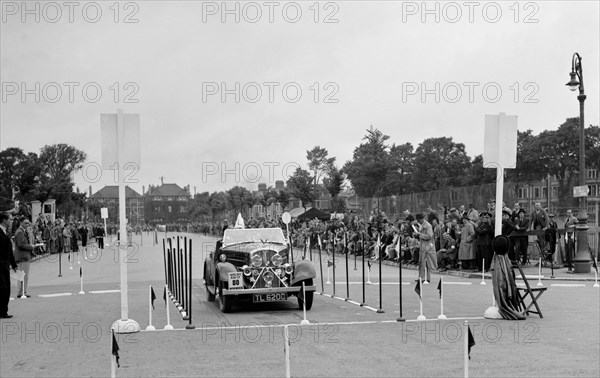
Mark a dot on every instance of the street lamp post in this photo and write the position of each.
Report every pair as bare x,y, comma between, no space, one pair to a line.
582,259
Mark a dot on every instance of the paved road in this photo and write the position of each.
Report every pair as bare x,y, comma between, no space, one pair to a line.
69,335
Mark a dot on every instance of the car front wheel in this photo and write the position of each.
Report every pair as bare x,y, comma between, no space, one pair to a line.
207,282
308,296
224,299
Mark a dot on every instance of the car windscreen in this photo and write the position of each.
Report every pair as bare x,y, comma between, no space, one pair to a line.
272,235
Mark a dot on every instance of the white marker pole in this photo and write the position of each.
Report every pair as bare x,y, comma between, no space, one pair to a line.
441,315
368,275
483,272
425,281
466,357
596,273
421,316
286,349
304,321
539,283
81,281
150,326
328,282
168,327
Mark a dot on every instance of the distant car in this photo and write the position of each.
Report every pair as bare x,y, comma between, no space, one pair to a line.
253,264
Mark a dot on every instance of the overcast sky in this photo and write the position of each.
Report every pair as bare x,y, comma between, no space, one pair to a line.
411,74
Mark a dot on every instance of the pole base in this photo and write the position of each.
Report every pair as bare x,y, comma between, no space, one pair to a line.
327,283
363,304
581,267
346,300
369,283
442,316
380,311
596,285
400,320
126,326
185,317
82,292
190,326
539,283
492,313
168,327
421,317
304,322
483,283
150,328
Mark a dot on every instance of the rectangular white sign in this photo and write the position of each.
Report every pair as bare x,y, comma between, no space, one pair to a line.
110,142
500,141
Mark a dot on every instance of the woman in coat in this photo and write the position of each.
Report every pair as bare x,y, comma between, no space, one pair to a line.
466,253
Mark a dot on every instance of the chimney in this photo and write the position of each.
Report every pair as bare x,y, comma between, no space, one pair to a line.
279,184
262,187
143,190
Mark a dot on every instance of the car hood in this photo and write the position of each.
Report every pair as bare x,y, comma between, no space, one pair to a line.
252,246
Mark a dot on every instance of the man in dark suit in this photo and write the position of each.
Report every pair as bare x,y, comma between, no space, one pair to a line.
7,261
24,254
521,226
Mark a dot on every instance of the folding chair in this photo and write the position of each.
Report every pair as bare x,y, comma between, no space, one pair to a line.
528,290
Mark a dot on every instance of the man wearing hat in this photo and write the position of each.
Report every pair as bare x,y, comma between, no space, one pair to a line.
520,233
427,255
485,234
550,234
507,229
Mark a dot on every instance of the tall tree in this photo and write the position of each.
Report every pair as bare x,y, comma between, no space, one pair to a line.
370,164
239,198
439,163
58,164
318,162
10,161
399,178
334,183
283,198
300,184
478,174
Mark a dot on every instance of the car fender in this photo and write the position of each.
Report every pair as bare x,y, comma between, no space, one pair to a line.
224,268
303,270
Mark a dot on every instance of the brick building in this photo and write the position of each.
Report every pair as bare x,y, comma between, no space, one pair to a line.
109,197
167,203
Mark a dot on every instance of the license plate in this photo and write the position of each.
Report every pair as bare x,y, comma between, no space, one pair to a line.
235,281
269,297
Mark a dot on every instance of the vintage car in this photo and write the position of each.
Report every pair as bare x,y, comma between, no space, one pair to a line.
252,264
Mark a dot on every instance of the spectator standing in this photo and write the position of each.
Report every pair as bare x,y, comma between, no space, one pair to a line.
485,234
551,237
427,255
24,248
521,243
466,254
570,224
7,261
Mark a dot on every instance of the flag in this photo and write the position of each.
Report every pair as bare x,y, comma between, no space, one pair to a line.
369,263
165,296
398,245
152,296
115,348
329,263
440,287
319,240
471,341
80,272
418,288
595,265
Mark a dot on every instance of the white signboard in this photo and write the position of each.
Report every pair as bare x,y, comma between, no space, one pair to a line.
581,191
500,141
131,135
104,212
235,281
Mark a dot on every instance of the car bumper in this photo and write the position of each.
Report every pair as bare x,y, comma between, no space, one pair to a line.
291,289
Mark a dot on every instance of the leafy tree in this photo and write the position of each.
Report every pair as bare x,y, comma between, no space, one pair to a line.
10,161
439,163
399,178
200,206
238,198
318,162
300,184
283,198
370,164
480,175
218,203
334,183
58,163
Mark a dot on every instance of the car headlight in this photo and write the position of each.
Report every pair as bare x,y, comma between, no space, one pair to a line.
256,261
246,270
222,257
288,268
277,260
279,272
268,277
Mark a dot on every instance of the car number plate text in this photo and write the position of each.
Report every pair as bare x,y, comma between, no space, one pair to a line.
235,281
269,297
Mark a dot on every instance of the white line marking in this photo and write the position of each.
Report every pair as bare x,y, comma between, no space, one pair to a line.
457,283
104,291
54,295
371,284
370,308
568,285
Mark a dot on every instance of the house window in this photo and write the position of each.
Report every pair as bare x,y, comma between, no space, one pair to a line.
593,190
454,196
169,198
181,209
156,198
536,192
592,174
523,192
555,192
157,208
170,209
544,192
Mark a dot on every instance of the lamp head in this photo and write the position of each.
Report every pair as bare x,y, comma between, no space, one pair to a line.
573,84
